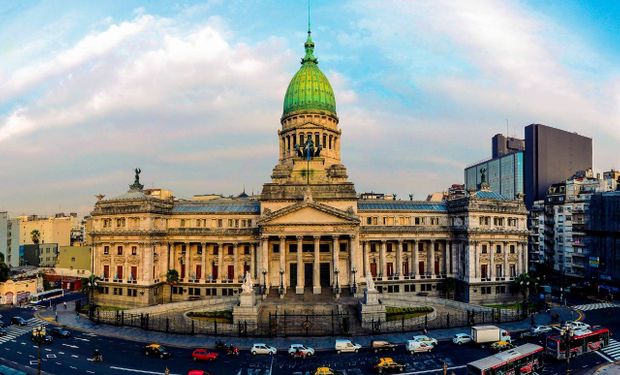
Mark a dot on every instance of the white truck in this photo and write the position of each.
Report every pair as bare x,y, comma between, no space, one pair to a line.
489,334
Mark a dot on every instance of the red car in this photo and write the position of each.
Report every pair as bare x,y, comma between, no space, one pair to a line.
204,355
198,372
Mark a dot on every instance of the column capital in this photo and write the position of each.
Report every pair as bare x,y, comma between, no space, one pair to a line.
383,242
400,241
316,237
235,244
282,237
335,237
299,238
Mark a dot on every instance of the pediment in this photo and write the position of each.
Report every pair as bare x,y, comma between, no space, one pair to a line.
308,213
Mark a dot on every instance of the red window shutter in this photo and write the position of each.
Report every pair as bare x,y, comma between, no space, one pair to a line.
106,272
119,272
198,271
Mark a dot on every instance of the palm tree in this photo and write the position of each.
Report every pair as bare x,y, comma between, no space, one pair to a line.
523,284
172,278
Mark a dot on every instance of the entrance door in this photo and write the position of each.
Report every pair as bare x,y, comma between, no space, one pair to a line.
421,269
373,269
231,273
308,275
324,274
292,275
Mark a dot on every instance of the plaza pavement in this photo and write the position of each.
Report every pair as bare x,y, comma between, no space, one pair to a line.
69,319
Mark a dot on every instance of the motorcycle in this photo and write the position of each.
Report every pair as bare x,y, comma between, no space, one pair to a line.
232,350
96,358
300,354
220,345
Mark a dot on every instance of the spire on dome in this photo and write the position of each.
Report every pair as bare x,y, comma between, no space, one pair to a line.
309,45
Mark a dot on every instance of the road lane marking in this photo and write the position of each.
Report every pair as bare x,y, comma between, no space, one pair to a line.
79,338
604,356
138,371
74,356
71,346
435,370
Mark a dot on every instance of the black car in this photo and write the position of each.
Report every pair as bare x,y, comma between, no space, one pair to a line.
156,350
18,320
3,331
58,331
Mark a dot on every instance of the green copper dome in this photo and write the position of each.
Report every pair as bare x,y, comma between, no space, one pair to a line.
309,89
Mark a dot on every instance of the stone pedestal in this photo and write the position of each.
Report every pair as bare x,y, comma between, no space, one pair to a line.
247,311
370,309
299,290
316,290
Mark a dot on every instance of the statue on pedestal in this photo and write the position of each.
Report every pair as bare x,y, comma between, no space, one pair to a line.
370,283
247,286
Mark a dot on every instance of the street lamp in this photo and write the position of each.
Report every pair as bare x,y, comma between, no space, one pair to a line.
567,334
281,289
337,283
354,271
38,336
264,281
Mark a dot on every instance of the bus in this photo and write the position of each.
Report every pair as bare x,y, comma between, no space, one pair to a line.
582,342
524,359
47,295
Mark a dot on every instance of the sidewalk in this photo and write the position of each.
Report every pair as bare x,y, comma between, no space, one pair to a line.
68,318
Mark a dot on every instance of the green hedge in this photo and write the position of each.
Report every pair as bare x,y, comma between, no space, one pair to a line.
398,313
222,316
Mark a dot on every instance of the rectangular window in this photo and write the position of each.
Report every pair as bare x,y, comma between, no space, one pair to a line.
119,250
484,249
198,272
230,250
106,250
119,272
134,273
513,270
220,223
106,271
246,250
512,249
199,249
215,249
182,223
498,249
134,250
230,223
369,220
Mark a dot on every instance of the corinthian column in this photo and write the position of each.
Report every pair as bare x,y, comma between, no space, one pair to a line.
316,269
299,289
399,259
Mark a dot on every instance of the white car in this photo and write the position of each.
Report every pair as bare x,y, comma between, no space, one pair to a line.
578,325
263,349
294,348
425,339
414,346
461,338
346,346
541,329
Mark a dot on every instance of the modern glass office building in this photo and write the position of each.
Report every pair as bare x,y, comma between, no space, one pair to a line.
503,174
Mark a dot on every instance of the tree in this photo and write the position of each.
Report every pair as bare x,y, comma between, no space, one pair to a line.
524,283
4,272
35,235
172,278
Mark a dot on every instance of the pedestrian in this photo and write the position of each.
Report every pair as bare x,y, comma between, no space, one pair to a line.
64,303
77,315
425,331
56,316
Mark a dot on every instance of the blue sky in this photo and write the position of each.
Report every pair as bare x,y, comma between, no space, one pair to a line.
192,92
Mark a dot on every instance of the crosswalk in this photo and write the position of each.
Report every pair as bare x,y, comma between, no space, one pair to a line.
612,350
14,331
595,306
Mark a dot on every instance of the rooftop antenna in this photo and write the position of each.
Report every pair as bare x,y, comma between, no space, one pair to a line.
308,16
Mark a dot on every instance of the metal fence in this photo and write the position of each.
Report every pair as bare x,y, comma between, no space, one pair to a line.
447,320
282,325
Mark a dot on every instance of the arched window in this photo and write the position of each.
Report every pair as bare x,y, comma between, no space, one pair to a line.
288,142
316,139
330,141
294,140
301,139
324,139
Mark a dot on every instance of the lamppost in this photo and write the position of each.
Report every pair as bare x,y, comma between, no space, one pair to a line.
38,336
264,282
92,284
567,333
336,283
281,289
354,271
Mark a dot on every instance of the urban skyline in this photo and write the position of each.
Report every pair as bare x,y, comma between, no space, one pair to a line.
389,86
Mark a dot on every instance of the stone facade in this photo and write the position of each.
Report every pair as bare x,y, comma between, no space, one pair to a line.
307,232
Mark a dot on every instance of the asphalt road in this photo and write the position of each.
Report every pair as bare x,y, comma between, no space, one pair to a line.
70,356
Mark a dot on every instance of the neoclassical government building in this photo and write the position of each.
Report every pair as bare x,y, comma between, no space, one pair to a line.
308,231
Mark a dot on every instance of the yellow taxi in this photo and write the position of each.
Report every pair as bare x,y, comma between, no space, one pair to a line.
324,371
500,346
387,364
